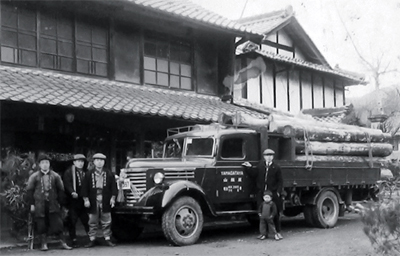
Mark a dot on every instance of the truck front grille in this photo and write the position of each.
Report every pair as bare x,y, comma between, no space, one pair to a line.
138,182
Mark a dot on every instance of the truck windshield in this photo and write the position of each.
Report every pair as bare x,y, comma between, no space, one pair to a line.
173,148
199,146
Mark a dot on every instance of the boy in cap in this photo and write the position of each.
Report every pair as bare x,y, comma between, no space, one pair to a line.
267,211
73,179
45,195
99,191
268,176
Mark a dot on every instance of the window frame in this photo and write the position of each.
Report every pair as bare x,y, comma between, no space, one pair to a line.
152,58
55,57
228,138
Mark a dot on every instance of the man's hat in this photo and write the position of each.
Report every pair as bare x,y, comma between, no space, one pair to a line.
267,192
79,157
269,152
43,157
99,156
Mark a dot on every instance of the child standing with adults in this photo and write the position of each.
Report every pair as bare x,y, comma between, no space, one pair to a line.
268,176
267,212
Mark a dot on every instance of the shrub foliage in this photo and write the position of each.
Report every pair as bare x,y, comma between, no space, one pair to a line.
381,218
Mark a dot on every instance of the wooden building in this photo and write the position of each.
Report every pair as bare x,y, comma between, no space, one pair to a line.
111,76
287,71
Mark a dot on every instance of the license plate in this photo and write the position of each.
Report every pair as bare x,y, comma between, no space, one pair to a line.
126,184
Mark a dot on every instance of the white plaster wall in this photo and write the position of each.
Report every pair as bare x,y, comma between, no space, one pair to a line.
268,48
339,97
253,90
281,91
284,39
318,92
299,54
329,93
268,86
294,91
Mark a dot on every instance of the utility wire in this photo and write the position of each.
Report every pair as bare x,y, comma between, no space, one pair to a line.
244,7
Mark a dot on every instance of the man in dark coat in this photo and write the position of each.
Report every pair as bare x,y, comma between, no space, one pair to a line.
99,191
45,195
268,176
73,179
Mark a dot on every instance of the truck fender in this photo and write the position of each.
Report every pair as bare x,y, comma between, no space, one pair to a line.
311,198
184,187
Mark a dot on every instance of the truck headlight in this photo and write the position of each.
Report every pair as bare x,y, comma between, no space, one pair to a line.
158,178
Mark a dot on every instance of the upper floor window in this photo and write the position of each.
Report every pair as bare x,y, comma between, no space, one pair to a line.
91,48
168,63
64,43
57,42
18,32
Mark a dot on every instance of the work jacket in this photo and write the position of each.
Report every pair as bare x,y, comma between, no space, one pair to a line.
36,193
89,189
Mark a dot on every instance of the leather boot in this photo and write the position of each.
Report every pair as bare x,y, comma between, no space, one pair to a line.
64,244
43,241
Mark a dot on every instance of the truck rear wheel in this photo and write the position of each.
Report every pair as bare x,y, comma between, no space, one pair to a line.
325,213
308,217
182,222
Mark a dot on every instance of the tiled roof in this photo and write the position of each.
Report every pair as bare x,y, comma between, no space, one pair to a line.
329,115
49,88
267,22
309,65
190,11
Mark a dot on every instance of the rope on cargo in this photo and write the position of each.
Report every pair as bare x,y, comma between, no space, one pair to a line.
369,149
308,150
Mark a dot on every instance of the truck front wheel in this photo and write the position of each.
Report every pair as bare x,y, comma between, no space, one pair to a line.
325,213
182,222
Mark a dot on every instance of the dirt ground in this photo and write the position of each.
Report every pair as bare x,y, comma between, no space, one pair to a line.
346,239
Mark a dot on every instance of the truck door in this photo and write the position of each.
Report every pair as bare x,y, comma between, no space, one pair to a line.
233,185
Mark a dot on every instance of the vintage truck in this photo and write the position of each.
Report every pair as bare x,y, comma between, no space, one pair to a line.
201,175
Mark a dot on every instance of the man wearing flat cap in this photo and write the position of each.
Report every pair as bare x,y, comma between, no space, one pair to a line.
99,191
268,177
73,179
45,195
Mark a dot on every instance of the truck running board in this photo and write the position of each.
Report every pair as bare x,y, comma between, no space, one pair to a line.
221,213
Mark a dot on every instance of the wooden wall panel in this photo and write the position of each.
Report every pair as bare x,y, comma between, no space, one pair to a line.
127,54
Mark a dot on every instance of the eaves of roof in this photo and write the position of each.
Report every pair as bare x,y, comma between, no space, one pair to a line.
308,65
191,12
49,88
269,23
330,115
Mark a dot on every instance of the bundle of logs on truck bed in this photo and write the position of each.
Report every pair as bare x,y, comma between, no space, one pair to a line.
321,141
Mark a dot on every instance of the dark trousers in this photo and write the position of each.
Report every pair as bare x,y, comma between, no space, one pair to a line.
279,205
50,224
77,211
264,223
